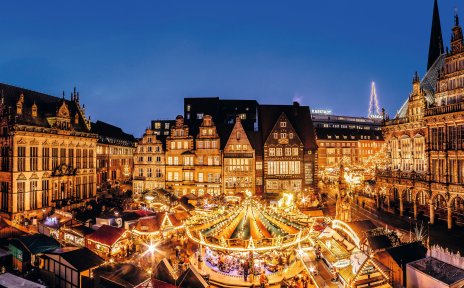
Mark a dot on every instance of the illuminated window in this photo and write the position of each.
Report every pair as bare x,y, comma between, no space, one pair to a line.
271,151
283,124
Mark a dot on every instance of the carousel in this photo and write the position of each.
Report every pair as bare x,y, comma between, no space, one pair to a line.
249,238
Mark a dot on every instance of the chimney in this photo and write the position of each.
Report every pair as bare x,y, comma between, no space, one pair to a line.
296,106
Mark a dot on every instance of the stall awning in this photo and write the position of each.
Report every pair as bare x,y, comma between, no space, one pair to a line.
106,235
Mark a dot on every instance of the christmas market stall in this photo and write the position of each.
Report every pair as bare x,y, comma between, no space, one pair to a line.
26,249
75,235
109,242
343,248
51,225
160,226
71,266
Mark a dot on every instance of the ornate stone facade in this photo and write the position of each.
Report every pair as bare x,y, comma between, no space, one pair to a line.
208,159
425,143
283,161
115,153
149,164
180,159
48,153
239,162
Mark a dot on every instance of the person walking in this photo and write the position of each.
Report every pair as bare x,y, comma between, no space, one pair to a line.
246,268
263,280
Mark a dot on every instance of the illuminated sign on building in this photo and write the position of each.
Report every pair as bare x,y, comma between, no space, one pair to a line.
321,111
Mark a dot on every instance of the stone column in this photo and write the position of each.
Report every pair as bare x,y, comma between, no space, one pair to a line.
415,209
450,218
432,214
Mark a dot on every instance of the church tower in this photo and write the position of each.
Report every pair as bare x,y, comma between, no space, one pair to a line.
436,39
456,36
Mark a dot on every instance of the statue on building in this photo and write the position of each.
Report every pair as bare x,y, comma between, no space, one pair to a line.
344,200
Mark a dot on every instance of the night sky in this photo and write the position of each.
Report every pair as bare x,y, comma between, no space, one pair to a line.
135,61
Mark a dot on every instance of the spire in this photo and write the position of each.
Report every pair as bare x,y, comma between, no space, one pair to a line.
456,35
456,17
415,79
436,39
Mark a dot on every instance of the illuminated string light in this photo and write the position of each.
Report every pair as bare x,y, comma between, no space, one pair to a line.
374,110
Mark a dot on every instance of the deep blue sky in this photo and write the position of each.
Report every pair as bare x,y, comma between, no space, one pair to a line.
134,61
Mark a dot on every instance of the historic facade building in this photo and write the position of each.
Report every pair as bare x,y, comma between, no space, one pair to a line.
290,150
48,153
180,159
231,155
149,164
115,153
239,162
426,173
351,141
208,159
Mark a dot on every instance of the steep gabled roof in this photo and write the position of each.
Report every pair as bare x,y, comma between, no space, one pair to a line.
110,134
299,117
47,106
428,84
80,258
37,243
436,38
107,235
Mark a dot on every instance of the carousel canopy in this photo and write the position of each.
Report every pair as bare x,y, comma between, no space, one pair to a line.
249,225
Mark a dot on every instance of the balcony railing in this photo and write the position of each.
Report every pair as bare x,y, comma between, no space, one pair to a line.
410,175
445,109
397,121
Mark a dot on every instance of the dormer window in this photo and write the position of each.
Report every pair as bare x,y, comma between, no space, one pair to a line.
283,124
19,108
34,110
